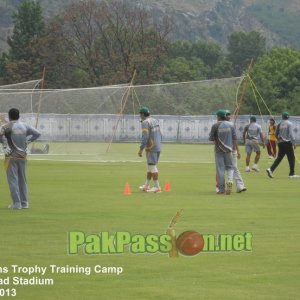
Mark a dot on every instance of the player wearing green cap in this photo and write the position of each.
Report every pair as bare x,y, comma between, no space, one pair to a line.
224,136
286,146
250,136
151,142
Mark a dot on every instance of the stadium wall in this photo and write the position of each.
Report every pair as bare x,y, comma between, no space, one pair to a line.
98,128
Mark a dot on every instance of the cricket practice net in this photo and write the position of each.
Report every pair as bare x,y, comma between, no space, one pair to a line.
80,123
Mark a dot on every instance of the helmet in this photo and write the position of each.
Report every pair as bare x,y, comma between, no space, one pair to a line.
221,113
144,110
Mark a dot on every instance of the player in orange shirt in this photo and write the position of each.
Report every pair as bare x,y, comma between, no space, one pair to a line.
271,145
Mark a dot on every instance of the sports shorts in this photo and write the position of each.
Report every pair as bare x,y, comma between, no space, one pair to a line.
252,145
152,157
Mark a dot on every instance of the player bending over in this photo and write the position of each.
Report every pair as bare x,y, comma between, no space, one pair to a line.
151,142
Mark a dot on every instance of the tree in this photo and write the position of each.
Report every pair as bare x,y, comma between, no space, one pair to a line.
277,78
210,54
243,47
21,63
106,41
182,69
28,27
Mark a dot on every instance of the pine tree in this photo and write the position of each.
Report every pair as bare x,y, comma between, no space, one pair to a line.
28,26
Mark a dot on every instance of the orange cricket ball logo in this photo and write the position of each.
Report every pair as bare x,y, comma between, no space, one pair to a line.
190,243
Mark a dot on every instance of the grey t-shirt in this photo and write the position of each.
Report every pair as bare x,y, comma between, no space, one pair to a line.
284,132
223,134
15,136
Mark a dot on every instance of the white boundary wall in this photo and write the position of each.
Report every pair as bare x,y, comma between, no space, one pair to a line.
97,128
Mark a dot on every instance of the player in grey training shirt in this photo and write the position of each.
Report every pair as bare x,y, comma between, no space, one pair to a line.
224,136
251,134
15,136
239,182
286,146
151,142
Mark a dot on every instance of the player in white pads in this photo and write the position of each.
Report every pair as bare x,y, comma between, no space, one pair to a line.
151,142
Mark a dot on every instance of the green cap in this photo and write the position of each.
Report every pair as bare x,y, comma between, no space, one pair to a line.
221,113
252,118
285,115
144,110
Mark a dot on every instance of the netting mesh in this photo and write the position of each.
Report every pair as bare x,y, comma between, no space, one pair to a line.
185,98
74,121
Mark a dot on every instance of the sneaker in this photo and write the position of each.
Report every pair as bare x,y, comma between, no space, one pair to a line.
255,168
145,188
241,190
228,188
154,190
294,176
25,207
217,190
270,173
13,207
220,193
248,169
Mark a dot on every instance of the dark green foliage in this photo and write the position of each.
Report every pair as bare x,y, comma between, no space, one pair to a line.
277,78
243,47
28,27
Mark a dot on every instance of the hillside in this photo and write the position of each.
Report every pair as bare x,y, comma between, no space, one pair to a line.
212,20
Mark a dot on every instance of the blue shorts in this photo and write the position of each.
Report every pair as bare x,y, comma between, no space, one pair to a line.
152,157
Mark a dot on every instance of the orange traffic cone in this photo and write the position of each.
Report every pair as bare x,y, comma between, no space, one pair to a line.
167,186
127,190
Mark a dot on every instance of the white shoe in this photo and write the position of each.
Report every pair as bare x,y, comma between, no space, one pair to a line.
271,157
217,190
12,207
144,188
240,190
270,173
154,190
294,176
248,169
255,168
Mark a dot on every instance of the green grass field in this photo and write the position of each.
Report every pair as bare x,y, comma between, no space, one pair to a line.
88,197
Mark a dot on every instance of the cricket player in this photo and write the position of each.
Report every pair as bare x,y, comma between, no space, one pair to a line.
271,143
239,182
15,136
223,134
286,146
250,136
151,142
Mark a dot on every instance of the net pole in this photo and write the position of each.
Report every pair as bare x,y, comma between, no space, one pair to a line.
241,99
40,103
40,98
126,96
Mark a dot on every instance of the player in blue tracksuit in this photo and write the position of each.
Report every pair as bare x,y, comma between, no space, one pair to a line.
223,134
15,136
151,142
